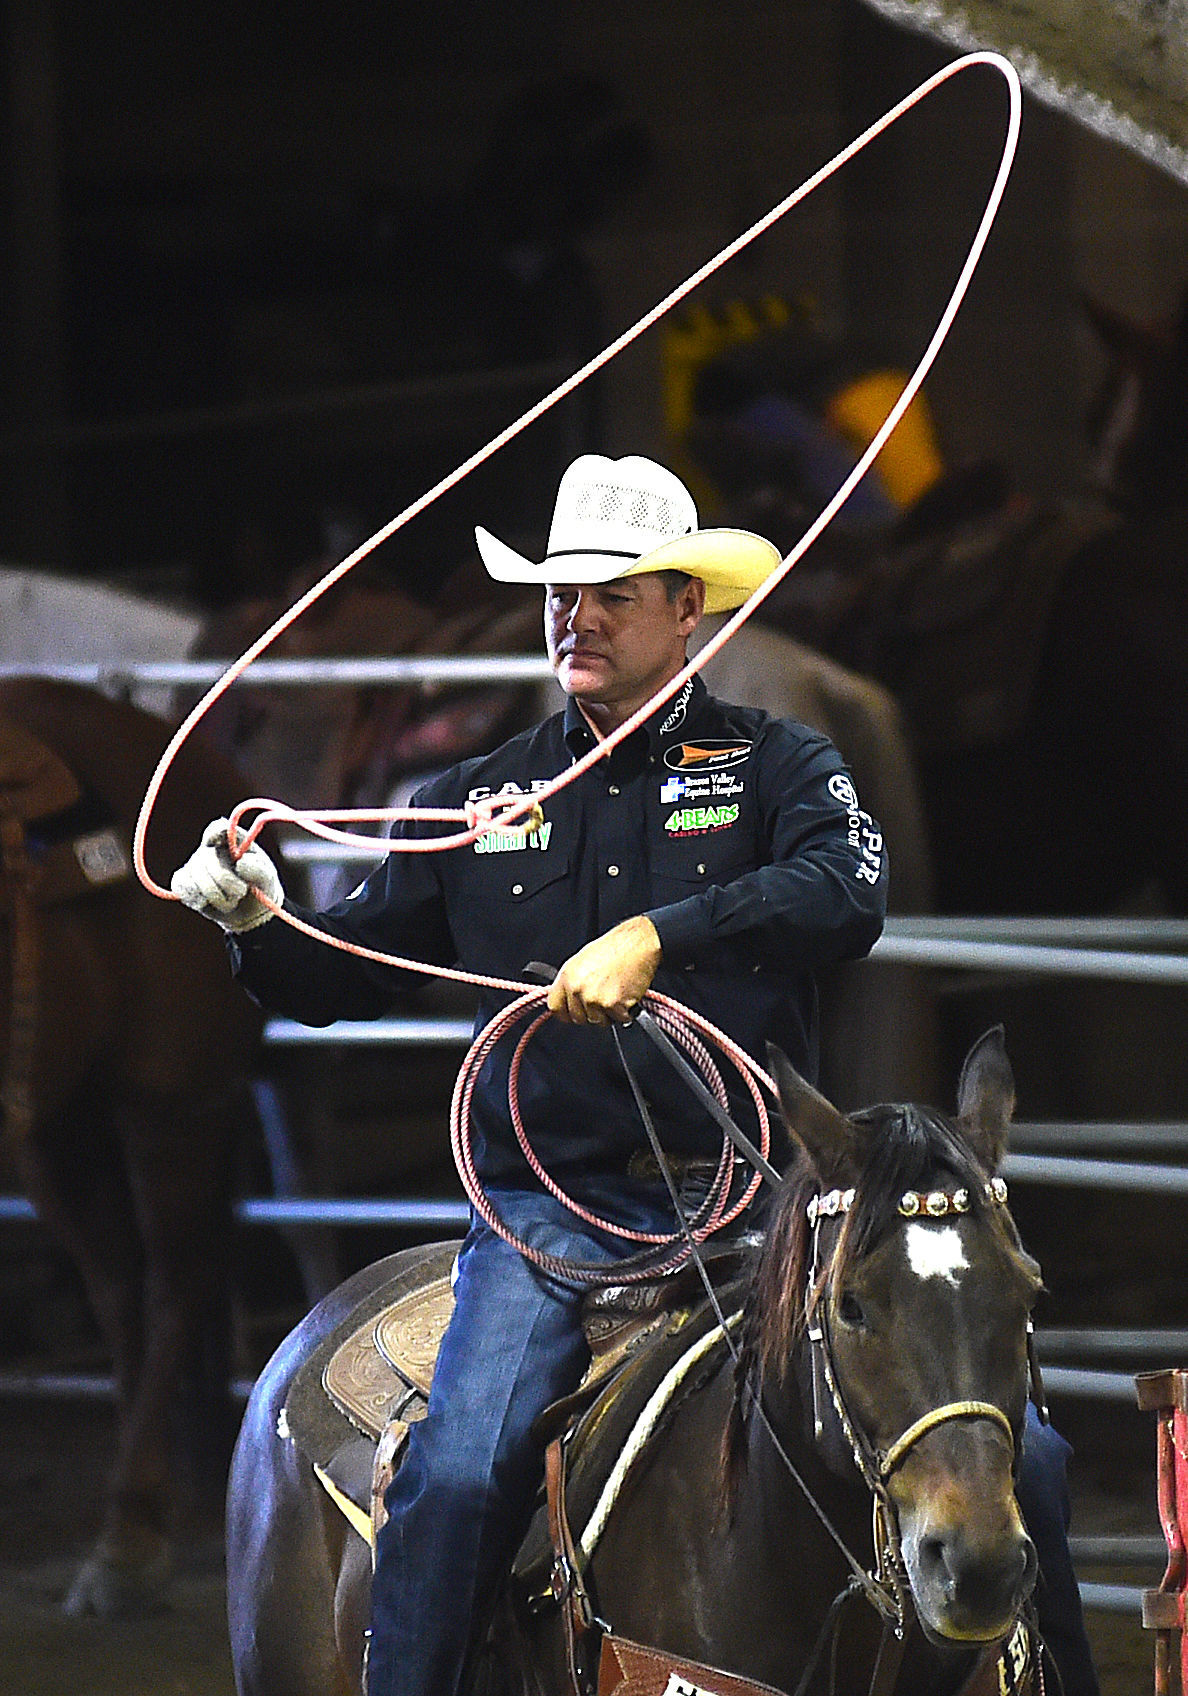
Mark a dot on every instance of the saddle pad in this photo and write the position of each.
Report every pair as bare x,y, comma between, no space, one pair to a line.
606,1428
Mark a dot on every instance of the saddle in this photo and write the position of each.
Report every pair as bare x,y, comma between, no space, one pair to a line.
351,1404
59,842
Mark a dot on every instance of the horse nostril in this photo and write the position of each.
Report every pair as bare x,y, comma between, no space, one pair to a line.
934,1564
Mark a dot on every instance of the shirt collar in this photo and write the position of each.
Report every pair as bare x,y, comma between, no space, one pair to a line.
666,725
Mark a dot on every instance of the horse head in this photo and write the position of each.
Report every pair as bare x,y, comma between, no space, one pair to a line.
913,1295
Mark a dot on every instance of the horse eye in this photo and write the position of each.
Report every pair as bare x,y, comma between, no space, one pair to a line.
849,1311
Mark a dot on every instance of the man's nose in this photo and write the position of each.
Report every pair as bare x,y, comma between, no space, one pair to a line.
582,614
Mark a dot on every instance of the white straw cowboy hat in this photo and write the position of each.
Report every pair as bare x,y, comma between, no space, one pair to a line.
618,517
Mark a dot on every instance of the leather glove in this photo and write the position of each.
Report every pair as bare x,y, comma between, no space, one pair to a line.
604,980
220,888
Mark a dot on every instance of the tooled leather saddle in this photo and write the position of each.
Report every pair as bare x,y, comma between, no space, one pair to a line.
351,1404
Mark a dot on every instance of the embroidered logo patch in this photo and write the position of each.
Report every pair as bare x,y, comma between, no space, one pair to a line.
843,790
680,705
695,821
513,841
713,753
862,833
702,786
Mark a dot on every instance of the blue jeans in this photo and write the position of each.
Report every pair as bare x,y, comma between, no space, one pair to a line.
1042,1490
461,1500
460,1503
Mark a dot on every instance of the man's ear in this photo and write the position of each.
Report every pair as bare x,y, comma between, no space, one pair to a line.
691,605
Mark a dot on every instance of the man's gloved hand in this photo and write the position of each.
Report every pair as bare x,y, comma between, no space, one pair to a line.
220,888
605,979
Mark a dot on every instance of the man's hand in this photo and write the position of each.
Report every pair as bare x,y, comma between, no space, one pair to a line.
221,888
606,978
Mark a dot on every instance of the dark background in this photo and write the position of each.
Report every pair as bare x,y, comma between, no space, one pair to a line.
271,268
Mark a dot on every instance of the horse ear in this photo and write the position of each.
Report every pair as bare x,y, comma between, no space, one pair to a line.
986,1097
825,1134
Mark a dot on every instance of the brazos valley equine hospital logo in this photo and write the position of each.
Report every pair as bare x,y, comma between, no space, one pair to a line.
707,781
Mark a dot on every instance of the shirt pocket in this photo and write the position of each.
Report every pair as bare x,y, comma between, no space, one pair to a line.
519,908
686,866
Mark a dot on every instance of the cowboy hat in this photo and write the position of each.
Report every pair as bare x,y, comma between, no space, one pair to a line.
618,517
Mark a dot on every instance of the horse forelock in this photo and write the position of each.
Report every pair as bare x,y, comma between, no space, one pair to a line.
904,1148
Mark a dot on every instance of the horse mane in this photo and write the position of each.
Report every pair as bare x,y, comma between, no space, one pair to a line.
904,1147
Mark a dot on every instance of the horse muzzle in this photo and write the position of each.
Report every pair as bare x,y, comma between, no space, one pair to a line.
968,1580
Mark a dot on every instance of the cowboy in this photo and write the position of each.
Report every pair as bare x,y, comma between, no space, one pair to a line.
717,854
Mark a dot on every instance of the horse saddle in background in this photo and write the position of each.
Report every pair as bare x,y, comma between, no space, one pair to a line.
64,840
350,1406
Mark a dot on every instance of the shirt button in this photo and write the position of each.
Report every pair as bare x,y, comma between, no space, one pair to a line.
517,889
612,871
613,790
701,871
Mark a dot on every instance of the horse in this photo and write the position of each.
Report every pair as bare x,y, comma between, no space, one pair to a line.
874,1348
126,1050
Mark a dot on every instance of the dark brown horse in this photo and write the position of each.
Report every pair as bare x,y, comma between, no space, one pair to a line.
125,1048
712,1553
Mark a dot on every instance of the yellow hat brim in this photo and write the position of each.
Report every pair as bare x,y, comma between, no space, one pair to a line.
731,563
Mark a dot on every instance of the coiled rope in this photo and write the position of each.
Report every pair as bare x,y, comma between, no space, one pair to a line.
668,1252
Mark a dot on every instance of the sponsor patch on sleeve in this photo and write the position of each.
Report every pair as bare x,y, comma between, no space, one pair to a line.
862,833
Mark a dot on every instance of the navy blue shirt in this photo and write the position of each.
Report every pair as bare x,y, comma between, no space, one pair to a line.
740,835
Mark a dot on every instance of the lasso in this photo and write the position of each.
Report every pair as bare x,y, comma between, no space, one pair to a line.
476,821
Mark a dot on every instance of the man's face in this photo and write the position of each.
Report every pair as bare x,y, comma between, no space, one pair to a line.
612,645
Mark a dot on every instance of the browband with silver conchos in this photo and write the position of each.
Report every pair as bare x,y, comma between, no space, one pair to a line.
933,1204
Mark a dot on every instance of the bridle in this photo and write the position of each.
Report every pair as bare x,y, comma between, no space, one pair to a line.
887,1586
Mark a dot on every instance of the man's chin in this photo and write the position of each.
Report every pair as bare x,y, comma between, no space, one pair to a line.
583,682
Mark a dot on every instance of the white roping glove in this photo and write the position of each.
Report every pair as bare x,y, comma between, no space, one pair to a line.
221,888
